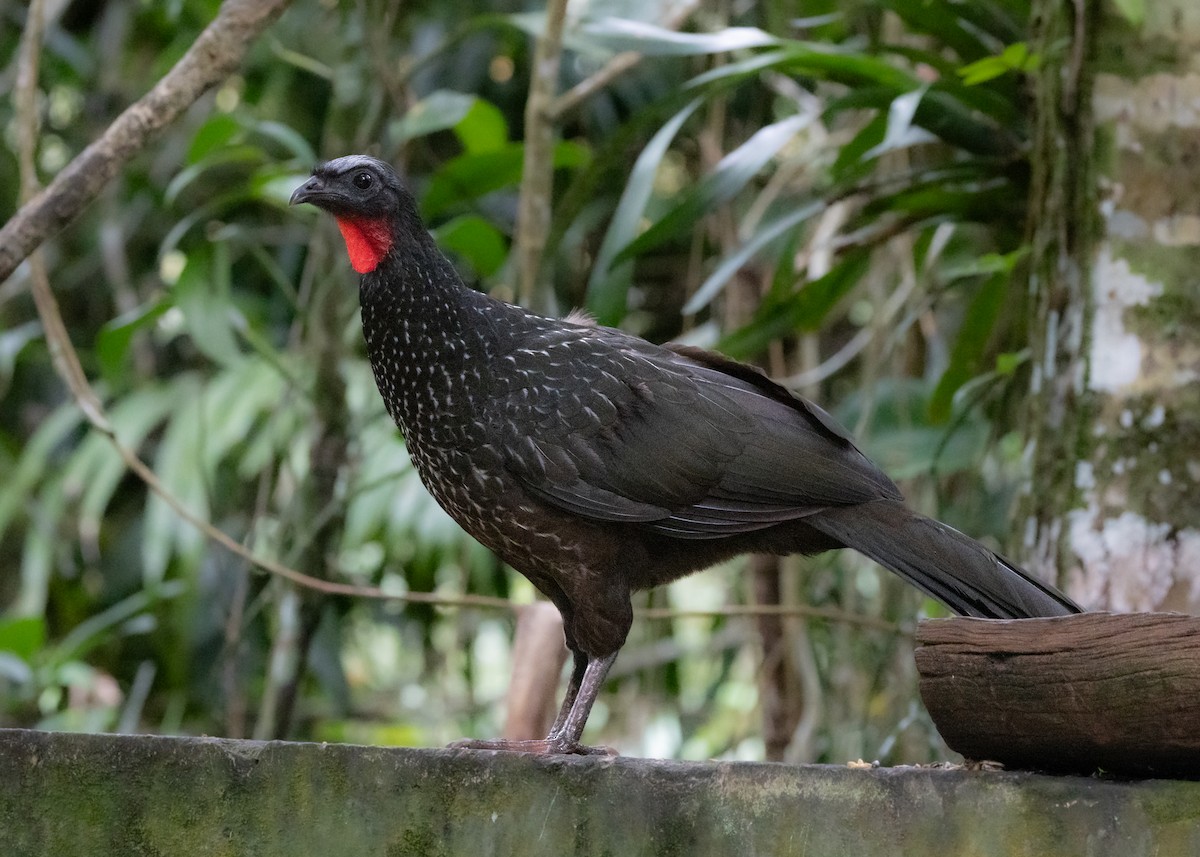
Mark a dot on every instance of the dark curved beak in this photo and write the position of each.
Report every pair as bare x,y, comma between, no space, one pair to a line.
311,191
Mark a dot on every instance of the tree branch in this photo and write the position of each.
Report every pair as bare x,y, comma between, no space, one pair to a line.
537,178
214,55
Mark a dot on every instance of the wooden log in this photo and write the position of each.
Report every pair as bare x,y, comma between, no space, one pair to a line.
1097,692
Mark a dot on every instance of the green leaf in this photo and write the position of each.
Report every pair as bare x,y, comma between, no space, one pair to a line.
288,137
234,402
12,342
275,188
850,68
483,128
471,175
216,132
206,212
1008,362
441,110
740,69
967,354
987,264
1019,58
941,198
179,465
90,632
1133,11
1016,57
971,118
266,445
24,636
981,71
851,162
901,133
608,285
807,311
763,235
115,337
97,467
804,309
202,294
623,34
22,483
728,178
902,441
220,157
946,114
917,450
479,124
475,241
945,24
40,551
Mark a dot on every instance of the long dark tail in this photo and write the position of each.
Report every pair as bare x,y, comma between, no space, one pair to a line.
940,561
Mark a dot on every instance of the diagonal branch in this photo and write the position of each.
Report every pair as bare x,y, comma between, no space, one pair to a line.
213,57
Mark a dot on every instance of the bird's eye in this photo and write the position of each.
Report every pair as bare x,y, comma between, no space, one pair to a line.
362,181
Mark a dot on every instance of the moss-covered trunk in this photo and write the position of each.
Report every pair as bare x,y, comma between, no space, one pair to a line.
1115,421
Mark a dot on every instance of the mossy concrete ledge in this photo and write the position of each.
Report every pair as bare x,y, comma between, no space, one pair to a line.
101,795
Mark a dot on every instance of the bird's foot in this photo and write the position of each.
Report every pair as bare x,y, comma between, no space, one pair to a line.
543,747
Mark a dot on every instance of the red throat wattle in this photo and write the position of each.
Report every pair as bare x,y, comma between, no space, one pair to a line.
367,241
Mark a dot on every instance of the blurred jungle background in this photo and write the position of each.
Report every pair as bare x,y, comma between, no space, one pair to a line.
837,192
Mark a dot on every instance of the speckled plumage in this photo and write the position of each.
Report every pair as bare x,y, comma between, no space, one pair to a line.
597,463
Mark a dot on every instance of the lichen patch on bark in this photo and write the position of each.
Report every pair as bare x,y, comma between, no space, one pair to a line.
1129,563
1116,352
1152,103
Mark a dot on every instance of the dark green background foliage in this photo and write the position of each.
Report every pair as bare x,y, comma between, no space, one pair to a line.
836,193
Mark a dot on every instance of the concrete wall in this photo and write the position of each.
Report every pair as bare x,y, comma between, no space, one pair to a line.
101,795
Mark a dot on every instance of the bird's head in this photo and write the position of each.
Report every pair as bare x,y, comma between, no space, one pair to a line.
370,203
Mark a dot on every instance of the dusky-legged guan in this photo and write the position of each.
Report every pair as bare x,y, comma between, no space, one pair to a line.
596,463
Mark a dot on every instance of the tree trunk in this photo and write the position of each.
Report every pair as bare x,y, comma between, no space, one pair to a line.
781,694
1115,347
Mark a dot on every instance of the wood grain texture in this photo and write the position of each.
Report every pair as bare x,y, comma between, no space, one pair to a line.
1093,692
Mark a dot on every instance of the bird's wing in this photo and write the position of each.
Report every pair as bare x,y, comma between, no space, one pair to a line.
688,443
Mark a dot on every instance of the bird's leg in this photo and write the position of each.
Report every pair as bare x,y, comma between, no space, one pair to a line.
564,738
577,671
587,678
